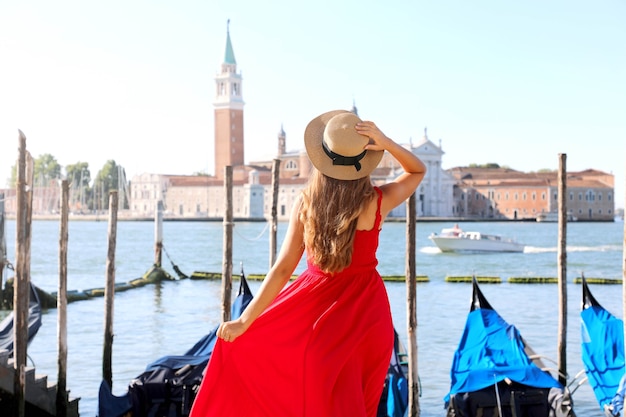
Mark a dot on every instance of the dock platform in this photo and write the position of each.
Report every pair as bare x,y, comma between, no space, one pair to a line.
40,395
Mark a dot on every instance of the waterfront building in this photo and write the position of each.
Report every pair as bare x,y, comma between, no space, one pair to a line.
434,196
146,190
507,194
228,113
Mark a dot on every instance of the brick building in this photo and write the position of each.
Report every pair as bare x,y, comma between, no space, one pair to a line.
502,193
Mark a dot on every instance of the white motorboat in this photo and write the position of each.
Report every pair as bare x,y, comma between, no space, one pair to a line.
456,240
553,216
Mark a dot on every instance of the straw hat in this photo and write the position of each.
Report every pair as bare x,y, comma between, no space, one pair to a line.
336,149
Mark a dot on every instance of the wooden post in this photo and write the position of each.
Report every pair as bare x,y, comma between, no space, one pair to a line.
158,234
414,408
61,399
109,291
562,268
3,250
21,284
227,261
274,219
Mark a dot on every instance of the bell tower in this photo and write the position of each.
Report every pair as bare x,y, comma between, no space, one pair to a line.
228,106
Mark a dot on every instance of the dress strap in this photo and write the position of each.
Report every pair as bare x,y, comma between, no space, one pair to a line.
378,216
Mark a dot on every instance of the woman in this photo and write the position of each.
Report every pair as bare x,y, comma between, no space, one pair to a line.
321,346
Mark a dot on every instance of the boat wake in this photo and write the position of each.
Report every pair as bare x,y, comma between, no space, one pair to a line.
430,249
601,248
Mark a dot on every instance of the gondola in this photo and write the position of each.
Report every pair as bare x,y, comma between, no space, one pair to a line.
168,386
34,322
492,372
394,401
603,353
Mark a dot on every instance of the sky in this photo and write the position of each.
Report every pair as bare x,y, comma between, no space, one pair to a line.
511,82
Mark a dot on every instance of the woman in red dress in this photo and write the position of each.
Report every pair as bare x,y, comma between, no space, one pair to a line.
320,346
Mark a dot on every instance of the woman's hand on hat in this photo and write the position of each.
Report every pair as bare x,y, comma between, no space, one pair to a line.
378,140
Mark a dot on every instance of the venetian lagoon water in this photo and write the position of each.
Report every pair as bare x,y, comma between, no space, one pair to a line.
168,318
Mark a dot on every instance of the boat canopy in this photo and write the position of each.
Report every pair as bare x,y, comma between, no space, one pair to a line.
490,351
34,322
602,352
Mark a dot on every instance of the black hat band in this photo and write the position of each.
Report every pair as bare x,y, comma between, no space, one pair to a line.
344,160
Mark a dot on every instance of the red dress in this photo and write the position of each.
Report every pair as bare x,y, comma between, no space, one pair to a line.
321,349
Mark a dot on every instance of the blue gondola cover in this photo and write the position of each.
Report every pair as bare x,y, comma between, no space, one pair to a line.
491,350
603,353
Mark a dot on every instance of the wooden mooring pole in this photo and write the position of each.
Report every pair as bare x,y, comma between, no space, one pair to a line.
274,218
414,408
3,250
227,261
158,234
21,284
109,291
61,398
562,268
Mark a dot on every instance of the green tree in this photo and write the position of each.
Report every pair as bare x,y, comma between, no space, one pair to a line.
11,181
78,174
79,177
487,165
111,177
46,168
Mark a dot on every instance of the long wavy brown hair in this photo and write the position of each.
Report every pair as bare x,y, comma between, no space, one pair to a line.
329,212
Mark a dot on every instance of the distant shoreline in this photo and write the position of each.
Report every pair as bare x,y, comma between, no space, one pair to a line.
123,217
